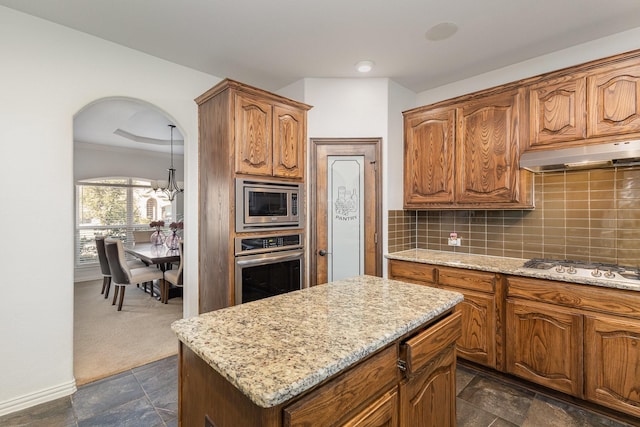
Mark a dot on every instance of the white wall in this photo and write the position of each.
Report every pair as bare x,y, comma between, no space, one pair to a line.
48,74
363,107
601,48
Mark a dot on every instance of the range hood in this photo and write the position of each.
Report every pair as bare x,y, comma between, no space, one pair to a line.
624,153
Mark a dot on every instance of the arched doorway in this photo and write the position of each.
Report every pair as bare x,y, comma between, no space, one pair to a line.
121,145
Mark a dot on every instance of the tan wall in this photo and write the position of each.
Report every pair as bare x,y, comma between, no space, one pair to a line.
584,215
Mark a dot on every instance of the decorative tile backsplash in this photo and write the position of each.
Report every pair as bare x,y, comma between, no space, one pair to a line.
591,215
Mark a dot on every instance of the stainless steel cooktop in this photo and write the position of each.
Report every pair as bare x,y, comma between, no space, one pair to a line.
585,269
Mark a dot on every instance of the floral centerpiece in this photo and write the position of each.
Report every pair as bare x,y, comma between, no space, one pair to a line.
173,239
157,237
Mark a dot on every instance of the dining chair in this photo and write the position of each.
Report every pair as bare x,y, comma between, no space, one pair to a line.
104,266
121,275
106,271
142,236
173,276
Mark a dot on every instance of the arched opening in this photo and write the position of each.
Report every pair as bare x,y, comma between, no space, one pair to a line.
122,147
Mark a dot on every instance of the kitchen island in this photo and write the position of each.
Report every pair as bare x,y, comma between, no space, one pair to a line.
351,352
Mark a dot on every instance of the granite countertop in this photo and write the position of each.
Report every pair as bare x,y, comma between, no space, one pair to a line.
276,348
504,265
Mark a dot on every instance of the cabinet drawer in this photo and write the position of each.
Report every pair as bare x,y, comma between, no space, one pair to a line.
467,279
423,347
413,272
382,412
594,298
338,398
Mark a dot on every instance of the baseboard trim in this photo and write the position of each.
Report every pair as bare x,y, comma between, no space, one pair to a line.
38,397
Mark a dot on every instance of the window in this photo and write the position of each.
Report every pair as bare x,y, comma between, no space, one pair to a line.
114,207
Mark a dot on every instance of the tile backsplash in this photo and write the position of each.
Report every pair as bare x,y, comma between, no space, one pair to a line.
591,215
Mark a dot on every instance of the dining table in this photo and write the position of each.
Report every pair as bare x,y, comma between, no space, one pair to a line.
159,255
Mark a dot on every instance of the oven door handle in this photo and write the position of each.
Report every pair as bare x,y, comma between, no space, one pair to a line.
269,259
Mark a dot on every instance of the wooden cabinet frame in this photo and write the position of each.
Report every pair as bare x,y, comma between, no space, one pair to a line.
243,132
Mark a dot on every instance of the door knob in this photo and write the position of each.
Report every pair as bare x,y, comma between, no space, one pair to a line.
322,252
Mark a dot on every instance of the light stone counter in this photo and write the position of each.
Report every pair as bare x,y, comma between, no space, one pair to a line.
504,265
276,348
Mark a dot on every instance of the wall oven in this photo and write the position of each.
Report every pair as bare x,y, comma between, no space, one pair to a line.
268,266
268,205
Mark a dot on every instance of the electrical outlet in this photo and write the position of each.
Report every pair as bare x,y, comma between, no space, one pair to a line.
454,239
455,242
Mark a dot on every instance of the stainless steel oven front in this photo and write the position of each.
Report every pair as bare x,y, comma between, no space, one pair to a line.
268,266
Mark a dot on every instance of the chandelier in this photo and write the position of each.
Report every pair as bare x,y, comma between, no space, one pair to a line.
170,187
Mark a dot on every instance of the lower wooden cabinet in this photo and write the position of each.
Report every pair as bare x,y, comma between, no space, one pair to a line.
544,345
579,339
612,362
428,398
412,272
478,340
481,330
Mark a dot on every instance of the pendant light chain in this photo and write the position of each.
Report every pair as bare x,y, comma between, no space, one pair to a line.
172,188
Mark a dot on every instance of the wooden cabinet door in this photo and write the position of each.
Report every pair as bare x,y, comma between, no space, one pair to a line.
428,399
612,363
558,111
488,150
381,413
289,129
614,100
544,345
428,157
253,136
478,340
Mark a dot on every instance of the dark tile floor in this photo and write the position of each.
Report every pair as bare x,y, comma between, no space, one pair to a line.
487,402
148,397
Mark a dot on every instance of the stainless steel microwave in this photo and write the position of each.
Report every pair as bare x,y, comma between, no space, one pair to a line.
268,205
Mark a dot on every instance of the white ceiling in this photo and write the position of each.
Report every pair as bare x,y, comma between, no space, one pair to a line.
273,43
126,123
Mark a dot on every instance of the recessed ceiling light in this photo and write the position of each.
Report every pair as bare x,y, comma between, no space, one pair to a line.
364,66
441,31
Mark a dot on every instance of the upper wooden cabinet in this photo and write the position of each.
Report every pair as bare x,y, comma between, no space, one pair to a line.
269,137
488,150
465,155
614,99
588,104
429,154
558,111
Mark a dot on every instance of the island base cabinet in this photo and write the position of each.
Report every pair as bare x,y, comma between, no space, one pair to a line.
428,399
381,413
612,363
337,400
409,383
204,396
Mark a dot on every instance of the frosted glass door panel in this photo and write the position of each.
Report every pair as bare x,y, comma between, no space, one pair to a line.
345,184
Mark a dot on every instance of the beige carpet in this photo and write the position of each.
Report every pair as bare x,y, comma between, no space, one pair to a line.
108,342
